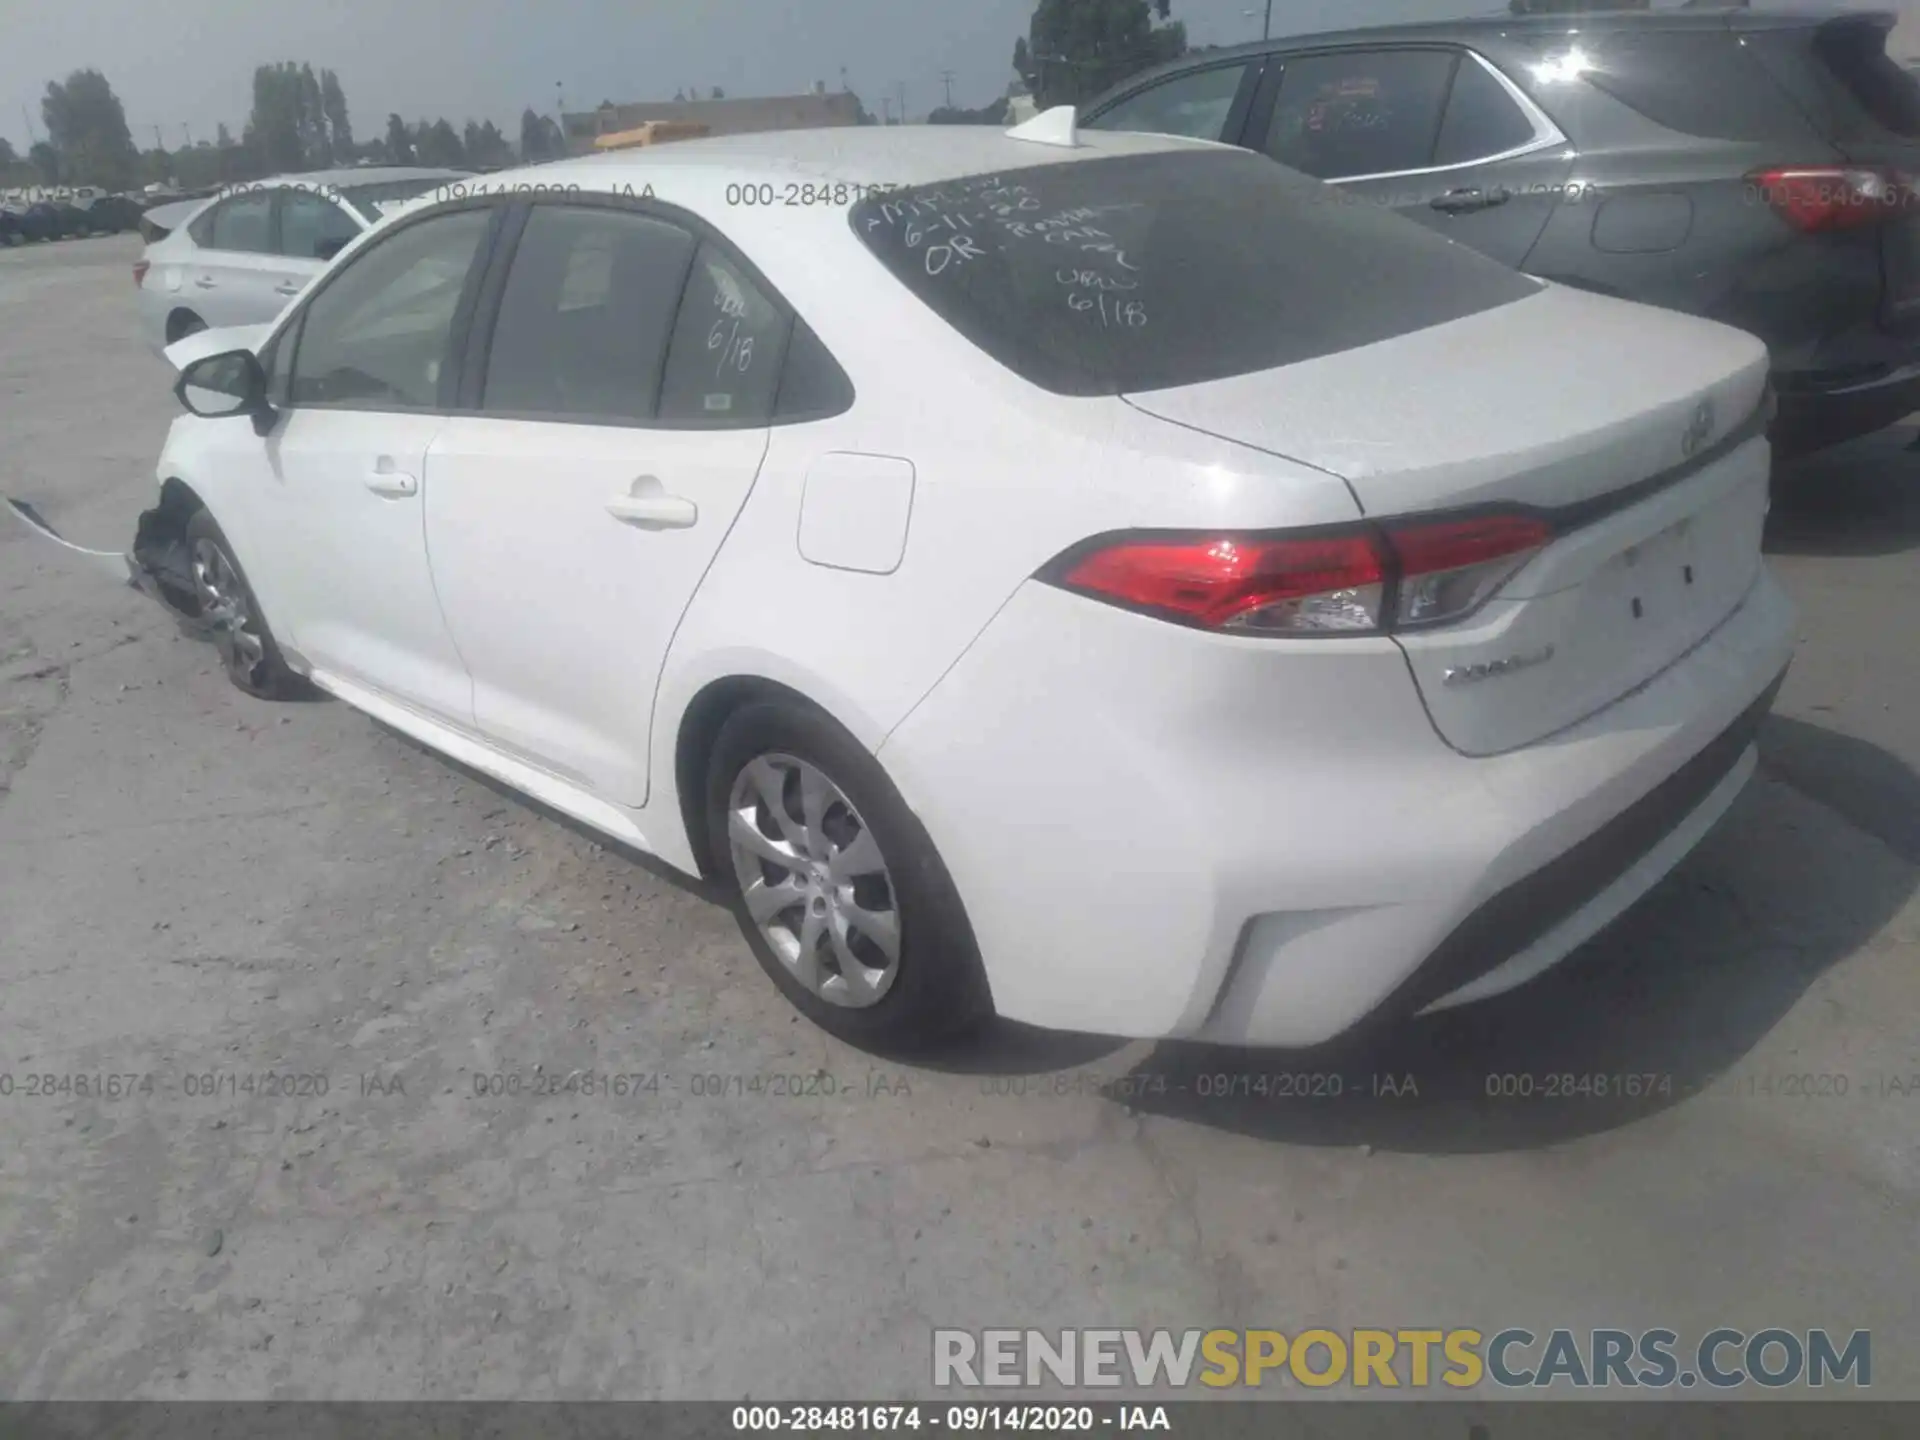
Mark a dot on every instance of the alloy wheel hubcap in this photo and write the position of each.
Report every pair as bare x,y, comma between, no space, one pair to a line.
223,604
814,881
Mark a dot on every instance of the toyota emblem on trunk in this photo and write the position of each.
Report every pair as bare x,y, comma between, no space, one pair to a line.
1699,429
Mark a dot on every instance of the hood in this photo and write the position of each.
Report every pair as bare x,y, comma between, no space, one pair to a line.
183,353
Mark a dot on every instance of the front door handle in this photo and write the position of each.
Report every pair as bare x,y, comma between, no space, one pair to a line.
206,282
392,482
654,511
290,288
1459,202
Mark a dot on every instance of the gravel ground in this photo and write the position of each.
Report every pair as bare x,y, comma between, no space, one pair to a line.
199,888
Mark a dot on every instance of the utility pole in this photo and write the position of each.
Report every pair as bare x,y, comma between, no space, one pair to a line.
159,141
886,110
32,139
187,132
900,89
946,79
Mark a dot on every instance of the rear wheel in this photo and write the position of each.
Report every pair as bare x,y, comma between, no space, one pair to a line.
183,323
227,603
836,884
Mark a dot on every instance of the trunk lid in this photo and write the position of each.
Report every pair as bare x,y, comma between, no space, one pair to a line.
1632,428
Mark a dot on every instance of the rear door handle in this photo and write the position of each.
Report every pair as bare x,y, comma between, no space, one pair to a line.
206,282
1457,202
289,288
392,482
654,511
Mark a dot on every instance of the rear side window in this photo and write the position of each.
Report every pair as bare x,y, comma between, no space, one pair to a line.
812,384
1482,119
1195,105
1700,82
724,364
244,223
1854,55
1360,112
585,314
1142,272
312,227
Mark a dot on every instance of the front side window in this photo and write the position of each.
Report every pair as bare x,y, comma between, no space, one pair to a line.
1360,112
244,223
378,335
312,227
585,315
1195,105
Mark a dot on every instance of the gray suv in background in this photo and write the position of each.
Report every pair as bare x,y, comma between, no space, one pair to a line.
1761,169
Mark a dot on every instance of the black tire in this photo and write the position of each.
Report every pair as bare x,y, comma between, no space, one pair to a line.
257,668
938,990
183,323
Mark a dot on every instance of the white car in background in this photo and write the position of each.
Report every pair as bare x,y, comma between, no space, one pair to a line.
1097,581
238,258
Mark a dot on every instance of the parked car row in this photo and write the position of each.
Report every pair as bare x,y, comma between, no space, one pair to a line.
1751,167
68,219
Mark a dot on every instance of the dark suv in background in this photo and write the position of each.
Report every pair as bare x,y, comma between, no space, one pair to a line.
1761,169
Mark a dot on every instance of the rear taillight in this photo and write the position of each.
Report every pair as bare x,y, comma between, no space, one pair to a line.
1366,580
1825,198
140,268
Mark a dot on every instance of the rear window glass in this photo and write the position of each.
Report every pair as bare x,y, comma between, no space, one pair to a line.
376,200
1142,272
1888,96
1700,82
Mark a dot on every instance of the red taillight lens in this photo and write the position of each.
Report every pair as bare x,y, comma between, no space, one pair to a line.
1310,584
1366,580
1826,198
140,268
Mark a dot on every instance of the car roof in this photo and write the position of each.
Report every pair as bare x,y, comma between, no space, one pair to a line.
354,175
1504,26
866,155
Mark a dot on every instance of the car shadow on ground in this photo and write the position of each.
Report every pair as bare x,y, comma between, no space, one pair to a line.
1675,993
1857,499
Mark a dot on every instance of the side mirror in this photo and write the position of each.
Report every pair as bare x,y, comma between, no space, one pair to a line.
230,383
328,248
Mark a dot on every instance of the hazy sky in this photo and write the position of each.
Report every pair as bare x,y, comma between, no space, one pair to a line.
190,62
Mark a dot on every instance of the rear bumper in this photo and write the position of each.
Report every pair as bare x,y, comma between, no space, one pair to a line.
1814,415
1154,838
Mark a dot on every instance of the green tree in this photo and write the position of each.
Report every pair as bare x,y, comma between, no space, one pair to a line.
7,155
399,142
533,135
1077,48
87,127
313,120
275,132
222,137
333,103
439,144
46,160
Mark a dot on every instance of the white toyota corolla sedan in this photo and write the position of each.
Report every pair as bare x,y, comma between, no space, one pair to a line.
240,257
1107,580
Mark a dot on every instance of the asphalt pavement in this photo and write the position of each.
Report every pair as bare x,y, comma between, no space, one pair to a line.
335,967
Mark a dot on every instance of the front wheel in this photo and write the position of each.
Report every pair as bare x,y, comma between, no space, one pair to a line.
228,606
836,884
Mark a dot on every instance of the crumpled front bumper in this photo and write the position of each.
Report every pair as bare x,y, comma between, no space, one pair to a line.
157,564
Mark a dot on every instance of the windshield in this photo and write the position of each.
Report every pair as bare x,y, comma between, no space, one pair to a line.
1147,271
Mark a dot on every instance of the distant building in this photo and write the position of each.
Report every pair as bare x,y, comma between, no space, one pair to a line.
822,108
